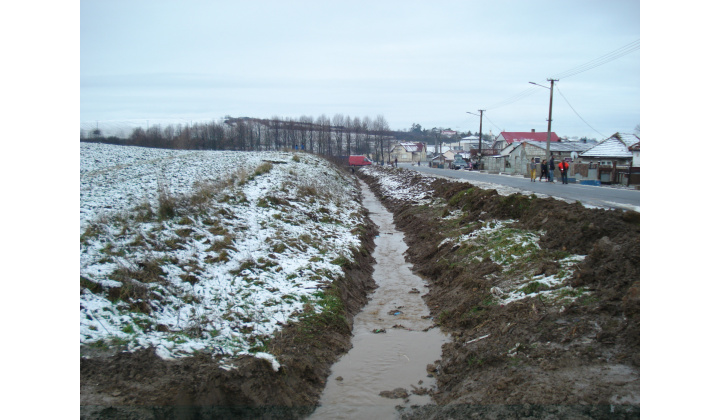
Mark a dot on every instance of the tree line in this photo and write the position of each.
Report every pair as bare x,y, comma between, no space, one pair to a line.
337,136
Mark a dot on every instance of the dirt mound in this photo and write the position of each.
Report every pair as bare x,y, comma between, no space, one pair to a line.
140,385
575,355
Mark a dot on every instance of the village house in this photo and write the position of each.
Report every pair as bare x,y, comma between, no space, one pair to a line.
519,136
448,157
635,149
516,157
409,152
613,150
441,161
611,160
470,142
507,138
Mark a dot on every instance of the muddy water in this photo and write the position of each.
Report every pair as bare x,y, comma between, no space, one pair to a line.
396,358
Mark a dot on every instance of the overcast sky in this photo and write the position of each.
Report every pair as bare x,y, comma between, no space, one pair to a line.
424,62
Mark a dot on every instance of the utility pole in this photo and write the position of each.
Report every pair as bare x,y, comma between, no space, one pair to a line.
480,132
552,84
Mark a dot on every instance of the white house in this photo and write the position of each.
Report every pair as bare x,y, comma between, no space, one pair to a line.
518,155
409,152
470,142
615,148
635,149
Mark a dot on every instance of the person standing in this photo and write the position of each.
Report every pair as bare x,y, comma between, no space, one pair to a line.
551,169
533,170
563,166
543,170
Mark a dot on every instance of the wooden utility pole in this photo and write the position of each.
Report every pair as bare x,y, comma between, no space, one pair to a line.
552,84
480,133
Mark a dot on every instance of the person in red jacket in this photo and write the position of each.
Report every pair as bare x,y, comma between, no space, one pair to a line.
563,166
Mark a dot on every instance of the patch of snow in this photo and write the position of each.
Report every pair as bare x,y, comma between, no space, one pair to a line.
270,358
213,296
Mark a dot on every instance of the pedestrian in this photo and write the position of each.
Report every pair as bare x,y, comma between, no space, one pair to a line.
533,170
543,170
551,169
396,162
563,166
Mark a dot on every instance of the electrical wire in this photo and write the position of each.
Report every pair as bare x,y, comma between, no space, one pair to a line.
614,55
576,113
491,122
515,98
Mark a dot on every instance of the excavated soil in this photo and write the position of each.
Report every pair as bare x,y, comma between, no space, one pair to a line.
141,385
529,358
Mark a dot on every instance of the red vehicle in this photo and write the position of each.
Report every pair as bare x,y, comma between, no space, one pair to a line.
359,161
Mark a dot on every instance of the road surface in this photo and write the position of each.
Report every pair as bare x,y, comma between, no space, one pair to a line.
602,196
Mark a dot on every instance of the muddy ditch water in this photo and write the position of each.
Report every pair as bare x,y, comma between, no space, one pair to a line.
393,337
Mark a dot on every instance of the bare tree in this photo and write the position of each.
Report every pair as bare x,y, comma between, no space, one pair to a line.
348,134
367,125
308,133
338,121
357,130
380,129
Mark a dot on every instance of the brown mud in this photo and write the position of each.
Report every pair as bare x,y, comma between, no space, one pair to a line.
531,358
141,385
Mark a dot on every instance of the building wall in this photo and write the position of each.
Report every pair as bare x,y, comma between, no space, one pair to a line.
402,155
607,161
519,159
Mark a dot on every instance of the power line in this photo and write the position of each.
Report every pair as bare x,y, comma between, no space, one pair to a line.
614,55
515,98
576,113
491,122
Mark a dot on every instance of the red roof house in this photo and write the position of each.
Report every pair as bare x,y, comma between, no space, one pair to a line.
519,136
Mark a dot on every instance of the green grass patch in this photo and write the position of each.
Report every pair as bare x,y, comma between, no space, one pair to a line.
85,283
475,361
533,287
341,261
325,311
455,199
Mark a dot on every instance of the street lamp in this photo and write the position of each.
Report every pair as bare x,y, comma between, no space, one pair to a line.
552,84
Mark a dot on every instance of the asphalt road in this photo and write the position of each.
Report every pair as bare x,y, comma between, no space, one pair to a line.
602,196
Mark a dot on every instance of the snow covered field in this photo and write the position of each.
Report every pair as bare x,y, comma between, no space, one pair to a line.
244,243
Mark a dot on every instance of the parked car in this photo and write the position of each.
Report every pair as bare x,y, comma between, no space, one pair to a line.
359,161
459,163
